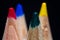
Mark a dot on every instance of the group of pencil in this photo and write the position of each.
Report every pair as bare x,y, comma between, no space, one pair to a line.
16,29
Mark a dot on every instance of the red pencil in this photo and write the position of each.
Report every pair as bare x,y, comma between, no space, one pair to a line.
10,32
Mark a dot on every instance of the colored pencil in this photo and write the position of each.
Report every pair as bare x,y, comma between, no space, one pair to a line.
33,27
21,23
43,16
10,32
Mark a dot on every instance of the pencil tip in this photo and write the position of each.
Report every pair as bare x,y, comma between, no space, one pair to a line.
19,10
35,20
43,11
11,13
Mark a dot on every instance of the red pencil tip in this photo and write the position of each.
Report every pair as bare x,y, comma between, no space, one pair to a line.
11,13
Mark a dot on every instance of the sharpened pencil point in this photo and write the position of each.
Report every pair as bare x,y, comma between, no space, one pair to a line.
35,20
19,10
43,11
11,13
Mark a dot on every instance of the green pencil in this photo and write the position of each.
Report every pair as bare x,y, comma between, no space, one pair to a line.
33,27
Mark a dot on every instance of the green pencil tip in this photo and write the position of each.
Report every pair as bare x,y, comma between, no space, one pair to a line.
35,20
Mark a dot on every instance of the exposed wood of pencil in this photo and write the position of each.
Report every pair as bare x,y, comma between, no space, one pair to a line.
45,28
40,33
10,32
22,29
33,34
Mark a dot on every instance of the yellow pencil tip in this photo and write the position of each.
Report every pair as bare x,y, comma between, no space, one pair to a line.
43,11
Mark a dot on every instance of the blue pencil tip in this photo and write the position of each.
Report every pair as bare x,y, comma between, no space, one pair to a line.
19,10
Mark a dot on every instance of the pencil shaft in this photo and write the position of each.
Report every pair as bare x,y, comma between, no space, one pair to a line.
21,27
10,32
40,33
33,33
45,28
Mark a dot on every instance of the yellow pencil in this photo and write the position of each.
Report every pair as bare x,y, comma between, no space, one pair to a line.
45,23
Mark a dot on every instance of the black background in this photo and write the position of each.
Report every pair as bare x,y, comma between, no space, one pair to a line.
29,7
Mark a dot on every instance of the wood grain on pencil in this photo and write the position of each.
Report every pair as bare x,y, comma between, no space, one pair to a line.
33,34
